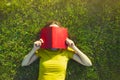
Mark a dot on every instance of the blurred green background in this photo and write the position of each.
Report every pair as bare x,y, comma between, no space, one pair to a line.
94,26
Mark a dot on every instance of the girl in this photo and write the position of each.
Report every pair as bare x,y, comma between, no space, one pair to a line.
53,62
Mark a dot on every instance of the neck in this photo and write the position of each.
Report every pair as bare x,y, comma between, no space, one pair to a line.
54,49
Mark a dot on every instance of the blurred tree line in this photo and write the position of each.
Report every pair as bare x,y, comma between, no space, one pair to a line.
94,25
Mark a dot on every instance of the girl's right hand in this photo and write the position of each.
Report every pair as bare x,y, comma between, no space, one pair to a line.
37,44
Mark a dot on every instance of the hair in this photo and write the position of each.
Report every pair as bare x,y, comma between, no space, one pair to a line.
47,25
52,22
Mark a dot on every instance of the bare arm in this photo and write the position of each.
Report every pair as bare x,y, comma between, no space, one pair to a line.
31,57
80,57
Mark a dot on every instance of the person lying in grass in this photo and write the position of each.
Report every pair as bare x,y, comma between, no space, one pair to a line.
53,61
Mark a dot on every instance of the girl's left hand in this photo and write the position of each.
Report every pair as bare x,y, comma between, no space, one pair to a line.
69,42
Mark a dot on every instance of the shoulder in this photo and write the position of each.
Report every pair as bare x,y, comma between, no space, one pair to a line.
69,52
40,52
70,49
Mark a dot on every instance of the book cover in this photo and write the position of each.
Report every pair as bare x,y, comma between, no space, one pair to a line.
54,37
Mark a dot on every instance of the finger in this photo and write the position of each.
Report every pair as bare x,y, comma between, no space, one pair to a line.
39,44
41,40
36,45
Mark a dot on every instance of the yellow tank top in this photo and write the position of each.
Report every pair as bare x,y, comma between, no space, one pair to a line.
53,64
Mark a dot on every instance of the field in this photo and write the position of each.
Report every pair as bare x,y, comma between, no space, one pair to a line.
94,26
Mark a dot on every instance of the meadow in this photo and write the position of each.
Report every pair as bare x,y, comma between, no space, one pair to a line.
94,26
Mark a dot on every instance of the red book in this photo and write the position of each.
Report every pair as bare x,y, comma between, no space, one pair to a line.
54,37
